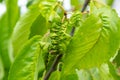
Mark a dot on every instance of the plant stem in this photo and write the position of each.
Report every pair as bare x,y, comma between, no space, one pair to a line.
53,66
72,31
85,5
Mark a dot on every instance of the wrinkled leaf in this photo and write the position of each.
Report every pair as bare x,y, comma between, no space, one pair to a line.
25,65
49,8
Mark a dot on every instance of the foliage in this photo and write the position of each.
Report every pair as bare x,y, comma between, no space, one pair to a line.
46,44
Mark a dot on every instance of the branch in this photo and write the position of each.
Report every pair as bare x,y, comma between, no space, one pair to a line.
85,5
72,31
53,66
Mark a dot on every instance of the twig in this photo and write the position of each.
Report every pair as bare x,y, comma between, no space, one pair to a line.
53,67
72,31
64,17
85,5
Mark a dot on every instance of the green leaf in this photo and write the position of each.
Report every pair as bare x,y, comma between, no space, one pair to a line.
46,7
30,2
113,71
95,73
84,75
12,6
77,4
4,42
25,66
41,65
72,76
94,43
109,2
33,2
55,76
1,0
1,69
104,72
84,40
39,27
117,59
31,24
7,24
50,8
